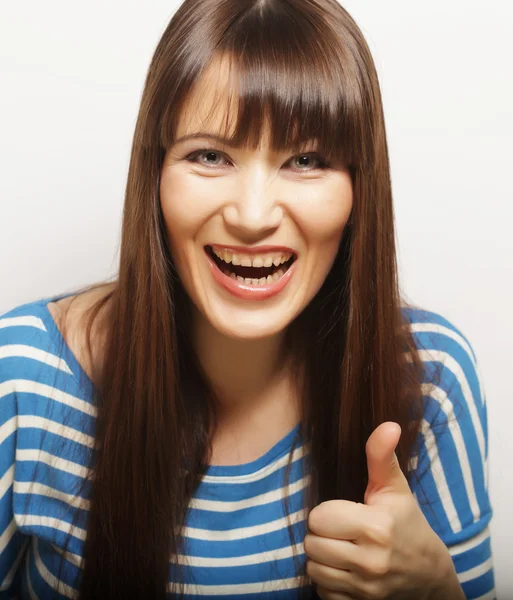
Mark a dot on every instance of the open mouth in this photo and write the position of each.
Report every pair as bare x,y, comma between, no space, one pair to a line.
251,275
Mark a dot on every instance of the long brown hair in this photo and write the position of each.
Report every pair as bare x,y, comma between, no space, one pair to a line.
303,65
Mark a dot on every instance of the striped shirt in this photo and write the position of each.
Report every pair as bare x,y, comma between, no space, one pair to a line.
236,535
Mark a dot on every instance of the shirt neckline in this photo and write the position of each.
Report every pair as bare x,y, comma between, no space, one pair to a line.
263,461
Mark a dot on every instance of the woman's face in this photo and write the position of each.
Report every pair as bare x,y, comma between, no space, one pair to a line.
283,214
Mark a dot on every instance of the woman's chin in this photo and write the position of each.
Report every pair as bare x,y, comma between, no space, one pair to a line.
247,327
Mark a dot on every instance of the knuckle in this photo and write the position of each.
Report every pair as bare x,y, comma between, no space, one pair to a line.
377,565
320,515
381,530
307,543
373,590
380,565
313,516
308,567
311,522
365,593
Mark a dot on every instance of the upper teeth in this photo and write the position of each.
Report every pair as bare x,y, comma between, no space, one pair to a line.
245,260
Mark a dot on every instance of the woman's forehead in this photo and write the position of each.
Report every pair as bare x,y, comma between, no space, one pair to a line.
254,121
212,111
212,104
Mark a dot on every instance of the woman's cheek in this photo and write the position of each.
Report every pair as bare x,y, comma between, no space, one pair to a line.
323,222
323,211
185,203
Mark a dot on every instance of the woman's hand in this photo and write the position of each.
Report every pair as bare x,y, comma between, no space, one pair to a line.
384,548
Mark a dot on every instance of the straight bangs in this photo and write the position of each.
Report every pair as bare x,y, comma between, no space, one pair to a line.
283,69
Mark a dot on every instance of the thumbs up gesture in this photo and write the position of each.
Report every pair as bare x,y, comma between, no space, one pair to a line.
384,548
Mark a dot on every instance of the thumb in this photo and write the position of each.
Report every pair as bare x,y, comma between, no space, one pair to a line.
383,467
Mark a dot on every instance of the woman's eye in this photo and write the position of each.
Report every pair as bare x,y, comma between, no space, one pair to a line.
209,154
303,162
307,159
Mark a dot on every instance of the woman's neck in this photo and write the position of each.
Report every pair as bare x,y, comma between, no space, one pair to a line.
246,374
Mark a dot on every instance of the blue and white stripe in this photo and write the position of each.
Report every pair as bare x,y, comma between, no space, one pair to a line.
237,541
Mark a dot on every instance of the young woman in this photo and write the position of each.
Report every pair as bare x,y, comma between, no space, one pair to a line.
251,409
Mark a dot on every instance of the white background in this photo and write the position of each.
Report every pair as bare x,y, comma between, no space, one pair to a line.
71,75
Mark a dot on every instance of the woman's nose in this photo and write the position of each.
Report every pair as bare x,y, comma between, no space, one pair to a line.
255,210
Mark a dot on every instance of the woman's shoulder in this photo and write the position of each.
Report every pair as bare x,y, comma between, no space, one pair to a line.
455,421
441,343
25,328
453,386
70,315
49,333
430,328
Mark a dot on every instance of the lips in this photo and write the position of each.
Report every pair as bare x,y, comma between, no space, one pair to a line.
246,272
240,288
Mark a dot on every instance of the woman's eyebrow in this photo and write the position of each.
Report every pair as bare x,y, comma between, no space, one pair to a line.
200,134
228,143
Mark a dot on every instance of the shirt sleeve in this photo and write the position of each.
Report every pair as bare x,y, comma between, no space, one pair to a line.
12,542
451,484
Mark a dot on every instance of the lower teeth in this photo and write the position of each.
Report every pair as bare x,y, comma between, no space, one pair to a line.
257,282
